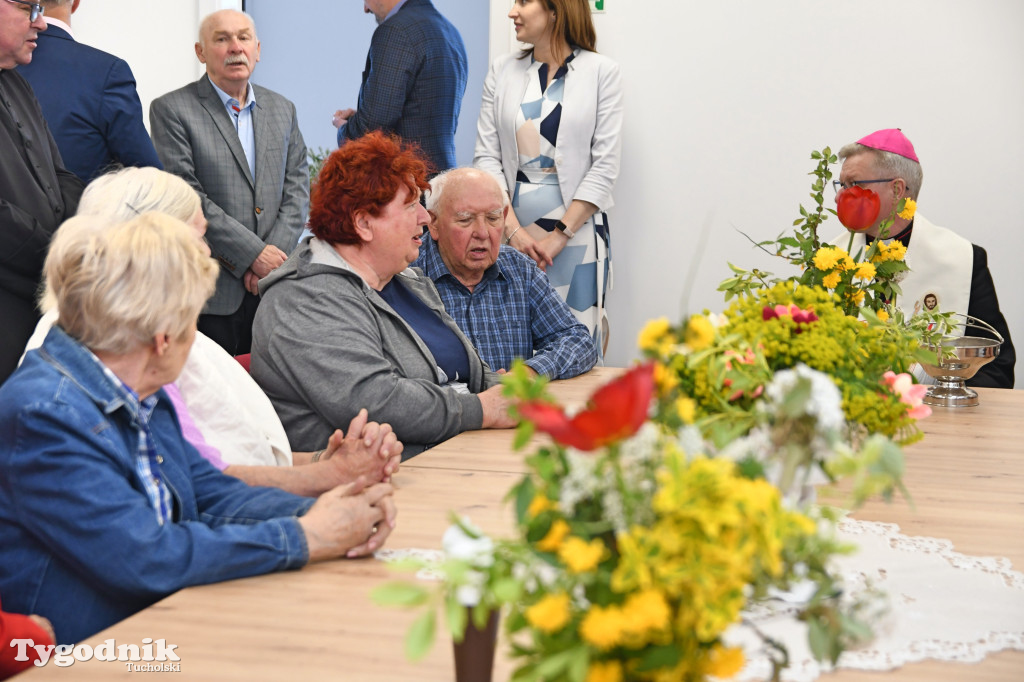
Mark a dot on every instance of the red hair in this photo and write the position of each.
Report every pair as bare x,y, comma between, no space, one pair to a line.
364,175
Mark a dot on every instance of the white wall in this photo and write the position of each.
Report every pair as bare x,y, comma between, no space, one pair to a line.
333,55
725,100
156,41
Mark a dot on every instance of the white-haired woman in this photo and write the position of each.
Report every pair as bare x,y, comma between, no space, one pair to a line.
224,412
104,507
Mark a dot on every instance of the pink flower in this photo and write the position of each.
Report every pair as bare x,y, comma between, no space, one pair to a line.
798,315
910,393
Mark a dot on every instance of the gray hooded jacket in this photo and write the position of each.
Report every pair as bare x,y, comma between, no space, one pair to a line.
325,345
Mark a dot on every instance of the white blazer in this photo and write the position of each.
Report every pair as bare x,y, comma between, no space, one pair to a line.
589,142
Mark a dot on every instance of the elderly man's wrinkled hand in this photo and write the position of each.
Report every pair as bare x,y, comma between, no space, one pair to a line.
270,259
341,117
251,282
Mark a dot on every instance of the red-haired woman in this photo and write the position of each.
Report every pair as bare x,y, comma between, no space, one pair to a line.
344,324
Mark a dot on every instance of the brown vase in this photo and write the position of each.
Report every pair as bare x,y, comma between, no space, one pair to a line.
474,657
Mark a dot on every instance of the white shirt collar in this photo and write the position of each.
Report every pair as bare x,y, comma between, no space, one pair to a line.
50,21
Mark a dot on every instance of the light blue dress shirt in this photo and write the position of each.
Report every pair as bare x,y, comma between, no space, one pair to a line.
241,116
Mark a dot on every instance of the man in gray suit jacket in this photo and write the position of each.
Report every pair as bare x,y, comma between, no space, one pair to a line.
239,146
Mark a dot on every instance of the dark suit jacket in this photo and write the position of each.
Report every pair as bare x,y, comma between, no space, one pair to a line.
196,139
413,83
36,195
90,104
984,305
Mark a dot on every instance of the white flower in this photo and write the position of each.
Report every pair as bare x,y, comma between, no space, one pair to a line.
824,402
478,551
692,442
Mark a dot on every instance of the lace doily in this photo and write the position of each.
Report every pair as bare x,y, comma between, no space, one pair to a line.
943,605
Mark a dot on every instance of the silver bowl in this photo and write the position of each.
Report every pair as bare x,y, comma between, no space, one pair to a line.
970,353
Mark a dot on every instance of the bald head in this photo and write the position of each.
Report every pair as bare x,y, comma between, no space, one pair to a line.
214,19
458,181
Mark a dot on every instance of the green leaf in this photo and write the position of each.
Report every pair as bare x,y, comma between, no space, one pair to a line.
817,638
579,665
524,432
455,616
399,594
507,590
659,657
554,664
420,637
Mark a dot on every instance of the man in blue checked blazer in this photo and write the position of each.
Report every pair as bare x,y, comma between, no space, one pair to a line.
240,148
413,82
88,98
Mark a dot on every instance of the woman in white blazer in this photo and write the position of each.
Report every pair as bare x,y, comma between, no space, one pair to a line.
549,131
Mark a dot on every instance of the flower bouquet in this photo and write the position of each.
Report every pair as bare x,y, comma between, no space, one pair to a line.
678,498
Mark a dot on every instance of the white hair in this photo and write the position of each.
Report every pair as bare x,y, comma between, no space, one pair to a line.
119,285
440,181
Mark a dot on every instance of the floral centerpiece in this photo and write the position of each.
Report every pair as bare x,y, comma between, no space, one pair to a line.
677,498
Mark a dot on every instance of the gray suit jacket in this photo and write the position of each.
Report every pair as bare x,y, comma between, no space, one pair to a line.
196,140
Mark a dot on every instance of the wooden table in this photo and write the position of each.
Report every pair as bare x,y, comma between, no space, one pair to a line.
966,478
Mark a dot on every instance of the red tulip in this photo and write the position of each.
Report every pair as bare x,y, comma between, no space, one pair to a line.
616,411
858,208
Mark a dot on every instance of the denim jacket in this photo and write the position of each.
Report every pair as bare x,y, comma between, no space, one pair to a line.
79,540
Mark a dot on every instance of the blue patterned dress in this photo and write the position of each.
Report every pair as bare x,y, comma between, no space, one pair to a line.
581,271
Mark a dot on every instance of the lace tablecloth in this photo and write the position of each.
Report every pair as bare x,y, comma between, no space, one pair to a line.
943,605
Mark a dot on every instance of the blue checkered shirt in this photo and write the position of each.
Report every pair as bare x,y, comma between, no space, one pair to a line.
513,313
147,461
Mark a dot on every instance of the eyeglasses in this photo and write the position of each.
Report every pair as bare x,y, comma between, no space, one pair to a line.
35,12
847,185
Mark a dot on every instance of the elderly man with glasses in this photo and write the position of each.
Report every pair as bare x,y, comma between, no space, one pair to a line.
36,192
947,272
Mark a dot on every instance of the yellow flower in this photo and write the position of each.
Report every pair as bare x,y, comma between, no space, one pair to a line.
604,671
909,209
725,663
831,280
647,610
581,556
847,263
883,316
653,334
550,614
857,296
700,333
603,627
553,540
664,378
865,271
827,257
686,408
897,250
539,505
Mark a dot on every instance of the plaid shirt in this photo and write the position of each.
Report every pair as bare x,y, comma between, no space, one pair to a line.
147,461
513,313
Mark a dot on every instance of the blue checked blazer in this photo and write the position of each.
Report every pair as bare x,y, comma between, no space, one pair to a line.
90,103
413,83
197,141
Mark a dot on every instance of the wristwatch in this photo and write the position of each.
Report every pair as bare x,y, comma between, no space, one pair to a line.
564,229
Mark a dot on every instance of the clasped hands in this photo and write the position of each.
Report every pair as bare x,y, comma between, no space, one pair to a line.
355,518
270,259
